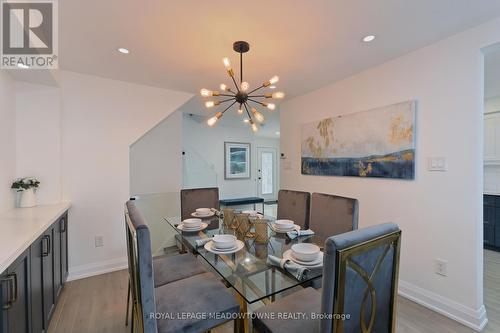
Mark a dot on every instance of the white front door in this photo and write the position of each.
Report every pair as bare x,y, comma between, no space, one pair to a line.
267,173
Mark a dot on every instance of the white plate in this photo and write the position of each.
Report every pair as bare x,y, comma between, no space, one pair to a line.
195,214
288,255
201,227
239,246
284,231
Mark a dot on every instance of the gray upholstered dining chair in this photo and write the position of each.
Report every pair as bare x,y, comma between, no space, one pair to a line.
332,215
166,269
154,308
360,283
294,205
191,199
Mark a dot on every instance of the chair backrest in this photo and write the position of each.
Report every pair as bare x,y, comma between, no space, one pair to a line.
333,215
360,279
142,275
191,199
294,205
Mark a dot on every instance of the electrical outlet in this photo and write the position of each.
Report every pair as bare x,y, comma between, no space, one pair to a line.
441,267
99,241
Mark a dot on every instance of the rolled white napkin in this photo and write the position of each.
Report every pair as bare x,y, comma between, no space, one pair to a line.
299,272
296,233
202,242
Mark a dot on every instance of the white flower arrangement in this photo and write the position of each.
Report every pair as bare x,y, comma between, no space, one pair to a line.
25,183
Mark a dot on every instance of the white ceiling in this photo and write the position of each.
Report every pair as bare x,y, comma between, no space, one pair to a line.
180,44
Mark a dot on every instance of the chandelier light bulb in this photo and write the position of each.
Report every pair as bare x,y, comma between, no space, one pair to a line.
274,79
205,92
270,106
255,128
227,63
278,95
240,110
223,87
213,120
211,104
244,86
258,116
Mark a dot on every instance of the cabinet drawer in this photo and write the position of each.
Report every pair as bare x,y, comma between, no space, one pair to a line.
489,215
489,234
497,200
489,200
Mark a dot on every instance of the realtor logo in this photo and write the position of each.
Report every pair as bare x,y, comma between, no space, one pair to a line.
29,34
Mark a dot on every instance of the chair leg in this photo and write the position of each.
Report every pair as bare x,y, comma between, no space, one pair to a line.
128,303
132,326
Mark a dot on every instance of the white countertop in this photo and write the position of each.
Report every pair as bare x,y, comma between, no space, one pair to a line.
20,227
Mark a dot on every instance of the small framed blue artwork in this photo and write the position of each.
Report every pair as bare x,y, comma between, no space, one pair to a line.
237,160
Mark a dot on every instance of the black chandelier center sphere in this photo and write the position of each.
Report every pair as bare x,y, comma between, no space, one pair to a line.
241,97
241,46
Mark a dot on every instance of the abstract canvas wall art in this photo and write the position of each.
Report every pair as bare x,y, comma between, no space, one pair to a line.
374,143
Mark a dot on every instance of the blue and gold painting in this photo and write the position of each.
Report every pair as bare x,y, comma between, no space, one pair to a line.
374,143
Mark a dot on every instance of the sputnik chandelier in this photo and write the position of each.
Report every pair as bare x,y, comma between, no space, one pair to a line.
245,99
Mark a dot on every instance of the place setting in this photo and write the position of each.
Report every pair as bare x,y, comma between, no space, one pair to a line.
300,260
203,213
223,244
192,225
284,226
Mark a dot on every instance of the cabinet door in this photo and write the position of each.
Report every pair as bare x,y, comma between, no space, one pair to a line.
57,259
64,248
37,249
48,275
16,316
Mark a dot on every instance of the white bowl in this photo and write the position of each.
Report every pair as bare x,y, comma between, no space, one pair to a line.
251,212
284,224
222,242
305,251
192,223
203,211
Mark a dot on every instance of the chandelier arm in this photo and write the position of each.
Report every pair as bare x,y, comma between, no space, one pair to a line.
228,107
248,113
253,100
262,86
226,100
259,96
226,95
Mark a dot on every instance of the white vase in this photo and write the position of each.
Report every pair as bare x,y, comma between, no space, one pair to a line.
27,198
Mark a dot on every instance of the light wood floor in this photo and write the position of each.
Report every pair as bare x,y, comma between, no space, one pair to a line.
97,304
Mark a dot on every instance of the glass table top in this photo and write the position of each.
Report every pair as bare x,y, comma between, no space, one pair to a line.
247,270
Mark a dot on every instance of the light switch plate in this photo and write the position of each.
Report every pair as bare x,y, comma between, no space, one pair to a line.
436,164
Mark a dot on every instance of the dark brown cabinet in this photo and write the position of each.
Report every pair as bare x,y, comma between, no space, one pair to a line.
30,287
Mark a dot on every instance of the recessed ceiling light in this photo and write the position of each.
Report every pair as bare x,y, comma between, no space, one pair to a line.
23,66
123,50
368,38
272,87
278,133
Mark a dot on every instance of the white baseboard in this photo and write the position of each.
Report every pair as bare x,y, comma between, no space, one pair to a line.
475,319
107,266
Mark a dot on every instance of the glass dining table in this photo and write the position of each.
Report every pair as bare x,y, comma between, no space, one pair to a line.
248,271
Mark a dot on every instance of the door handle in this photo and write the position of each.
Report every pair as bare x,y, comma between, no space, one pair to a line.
63,225
45,245
11,279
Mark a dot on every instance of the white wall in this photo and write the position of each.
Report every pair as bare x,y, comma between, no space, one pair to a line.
38,138
440,213
101,118
204,159
7,140
156,158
